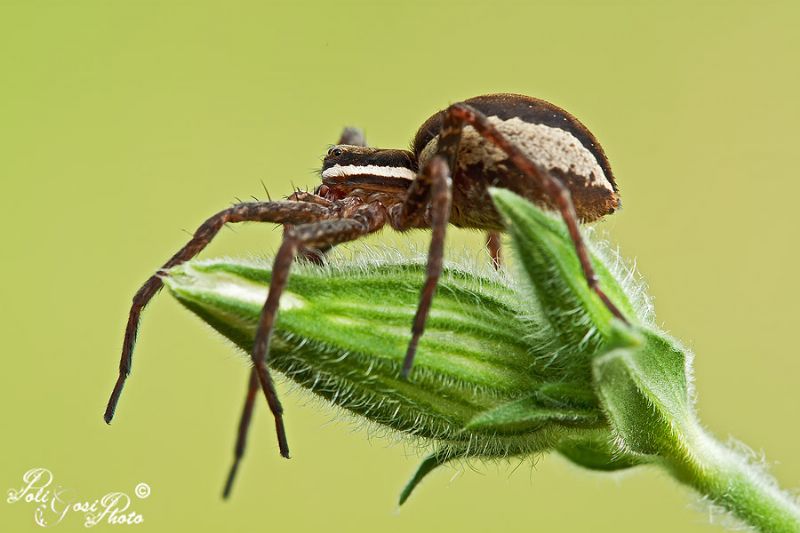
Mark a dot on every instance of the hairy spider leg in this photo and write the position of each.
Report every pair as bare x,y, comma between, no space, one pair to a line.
366,219
282,212
494,245
436,178
351,136
433,186
244,425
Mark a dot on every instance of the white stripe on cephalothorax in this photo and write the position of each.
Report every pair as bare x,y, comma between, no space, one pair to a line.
344,171
548,146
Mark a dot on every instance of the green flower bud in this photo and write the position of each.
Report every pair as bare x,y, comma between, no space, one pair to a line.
481,380
507,365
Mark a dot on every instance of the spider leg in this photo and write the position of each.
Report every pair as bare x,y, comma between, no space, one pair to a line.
244,425
312,255
431,187
494,245
352,136
309,197
278,212
558,192
369,218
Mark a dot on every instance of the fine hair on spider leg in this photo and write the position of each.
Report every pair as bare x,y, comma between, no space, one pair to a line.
500,140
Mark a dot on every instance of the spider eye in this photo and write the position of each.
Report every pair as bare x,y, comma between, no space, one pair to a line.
335,151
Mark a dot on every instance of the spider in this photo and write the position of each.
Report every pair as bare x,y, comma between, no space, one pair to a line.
518,142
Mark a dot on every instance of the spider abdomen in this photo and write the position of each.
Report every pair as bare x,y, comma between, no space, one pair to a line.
552,138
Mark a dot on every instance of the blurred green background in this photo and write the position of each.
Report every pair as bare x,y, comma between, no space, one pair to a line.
124,123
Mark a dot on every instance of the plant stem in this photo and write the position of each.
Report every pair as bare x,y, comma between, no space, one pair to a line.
730,481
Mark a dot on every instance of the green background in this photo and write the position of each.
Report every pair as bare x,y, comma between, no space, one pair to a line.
124,123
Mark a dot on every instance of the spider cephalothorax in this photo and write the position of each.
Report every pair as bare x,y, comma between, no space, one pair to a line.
500,140
360,170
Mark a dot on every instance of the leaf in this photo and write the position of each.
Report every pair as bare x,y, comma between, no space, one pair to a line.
548,261
342,333
427,466
528,414
645,393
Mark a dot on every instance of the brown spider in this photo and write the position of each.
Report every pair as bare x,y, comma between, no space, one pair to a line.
500,140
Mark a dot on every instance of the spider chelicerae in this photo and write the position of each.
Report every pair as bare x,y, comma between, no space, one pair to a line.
511,141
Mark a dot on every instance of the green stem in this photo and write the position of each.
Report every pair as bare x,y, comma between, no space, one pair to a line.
729,480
